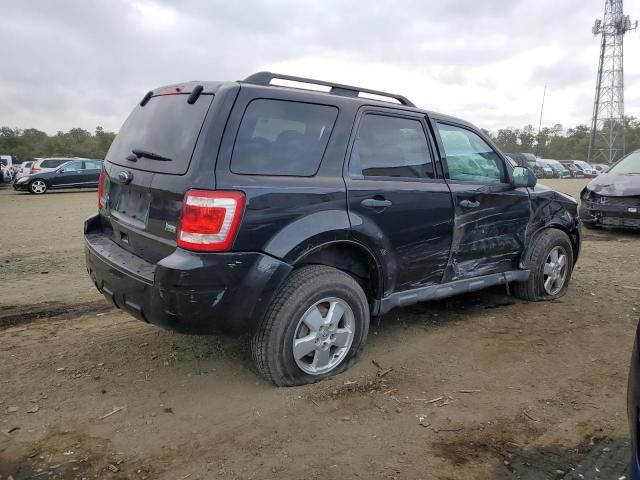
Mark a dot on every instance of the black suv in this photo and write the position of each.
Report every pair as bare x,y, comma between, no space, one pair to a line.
296,215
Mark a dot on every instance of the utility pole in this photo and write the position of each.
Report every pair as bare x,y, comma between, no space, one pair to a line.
606,143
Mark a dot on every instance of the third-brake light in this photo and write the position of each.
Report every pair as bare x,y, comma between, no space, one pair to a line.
210,220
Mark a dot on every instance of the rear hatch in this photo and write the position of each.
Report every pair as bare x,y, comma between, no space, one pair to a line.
145,171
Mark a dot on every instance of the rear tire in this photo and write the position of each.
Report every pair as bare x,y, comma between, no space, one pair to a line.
551,264
38,186
315,327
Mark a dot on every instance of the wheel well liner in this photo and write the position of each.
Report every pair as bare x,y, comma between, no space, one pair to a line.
352,258
574,238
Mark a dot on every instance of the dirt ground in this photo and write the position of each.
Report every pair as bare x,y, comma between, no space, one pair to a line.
483,386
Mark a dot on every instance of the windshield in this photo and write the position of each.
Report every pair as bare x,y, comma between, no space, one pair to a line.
556,165
583,165
629,164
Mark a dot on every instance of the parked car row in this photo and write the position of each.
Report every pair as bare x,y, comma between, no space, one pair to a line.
44,174
548,168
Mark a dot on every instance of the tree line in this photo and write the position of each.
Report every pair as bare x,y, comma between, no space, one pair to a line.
29,143
554,142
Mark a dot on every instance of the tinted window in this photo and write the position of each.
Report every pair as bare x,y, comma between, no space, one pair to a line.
469,158
168,126
4,162
390,147
282,138
52,163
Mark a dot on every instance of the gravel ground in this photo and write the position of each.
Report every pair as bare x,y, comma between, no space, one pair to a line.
483,386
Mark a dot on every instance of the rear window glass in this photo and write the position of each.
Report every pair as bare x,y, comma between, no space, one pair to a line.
167,126
282,138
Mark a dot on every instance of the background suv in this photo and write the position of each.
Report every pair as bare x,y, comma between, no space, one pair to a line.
296,216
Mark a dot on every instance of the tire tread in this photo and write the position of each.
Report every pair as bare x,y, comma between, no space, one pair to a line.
288,293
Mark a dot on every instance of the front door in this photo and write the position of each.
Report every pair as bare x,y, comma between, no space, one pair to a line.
69,175
397,201
491,216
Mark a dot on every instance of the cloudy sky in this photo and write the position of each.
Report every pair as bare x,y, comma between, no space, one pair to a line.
79,63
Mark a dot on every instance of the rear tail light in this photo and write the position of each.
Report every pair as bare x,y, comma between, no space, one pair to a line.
210,220
102,200
35,169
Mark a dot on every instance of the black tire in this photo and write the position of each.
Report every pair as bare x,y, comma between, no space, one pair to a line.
534,288
272,344
38,186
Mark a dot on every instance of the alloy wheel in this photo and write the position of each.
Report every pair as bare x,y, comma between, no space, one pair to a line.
38,186
555,271
323,336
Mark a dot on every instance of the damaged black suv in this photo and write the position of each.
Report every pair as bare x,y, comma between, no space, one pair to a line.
296,215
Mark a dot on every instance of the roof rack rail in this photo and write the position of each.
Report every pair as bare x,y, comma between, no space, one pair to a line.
265,78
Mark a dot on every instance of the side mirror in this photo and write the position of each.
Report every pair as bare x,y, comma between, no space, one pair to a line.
61,170
523,177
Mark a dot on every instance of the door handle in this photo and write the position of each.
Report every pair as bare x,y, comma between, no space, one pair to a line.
376,203
469,203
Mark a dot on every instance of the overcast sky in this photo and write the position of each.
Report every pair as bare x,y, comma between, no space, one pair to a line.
79,63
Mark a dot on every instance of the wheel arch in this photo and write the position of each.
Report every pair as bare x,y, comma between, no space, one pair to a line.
353,258
574,239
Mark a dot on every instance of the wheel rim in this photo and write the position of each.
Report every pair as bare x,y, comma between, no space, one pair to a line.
323,336
38,187
555,270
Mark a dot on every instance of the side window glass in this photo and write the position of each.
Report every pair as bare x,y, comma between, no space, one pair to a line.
73,166
469,157
282,138
388,146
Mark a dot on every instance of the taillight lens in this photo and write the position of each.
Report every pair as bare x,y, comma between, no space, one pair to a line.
35,169
102,200
209,220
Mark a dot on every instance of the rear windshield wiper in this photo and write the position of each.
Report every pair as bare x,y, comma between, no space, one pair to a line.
136,153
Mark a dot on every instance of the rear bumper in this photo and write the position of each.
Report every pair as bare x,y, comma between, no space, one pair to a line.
201,293
609,216
633,407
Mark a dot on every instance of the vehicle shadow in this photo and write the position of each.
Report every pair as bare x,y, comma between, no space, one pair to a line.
439,313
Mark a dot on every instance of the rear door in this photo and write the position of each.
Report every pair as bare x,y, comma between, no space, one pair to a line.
146,168
491,216
397,201
91,173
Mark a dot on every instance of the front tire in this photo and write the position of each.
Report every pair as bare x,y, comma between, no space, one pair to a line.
315,327
551,264
38,187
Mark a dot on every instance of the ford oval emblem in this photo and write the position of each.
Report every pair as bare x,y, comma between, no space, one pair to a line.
125,177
